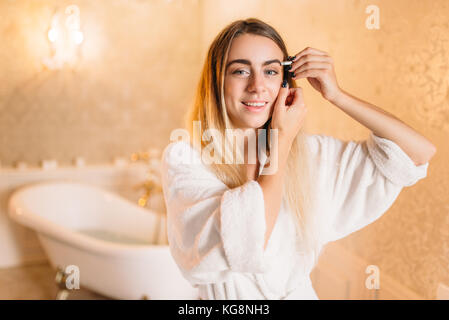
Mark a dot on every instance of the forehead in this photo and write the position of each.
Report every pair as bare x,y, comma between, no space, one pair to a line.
254,48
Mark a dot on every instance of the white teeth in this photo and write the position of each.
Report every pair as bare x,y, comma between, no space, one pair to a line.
259,104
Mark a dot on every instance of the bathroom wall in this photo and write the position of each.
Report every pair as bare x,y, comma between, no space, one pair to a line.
141,61
125,93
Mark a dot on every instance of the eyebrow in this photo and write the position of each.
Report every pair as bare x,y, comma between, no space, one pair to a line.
244,61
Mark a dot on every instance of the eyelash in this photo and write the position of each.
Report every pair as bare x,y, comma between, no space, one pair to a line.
236,72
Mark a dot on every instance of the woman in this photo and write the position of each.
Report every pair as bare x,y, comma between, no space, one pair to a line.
238,232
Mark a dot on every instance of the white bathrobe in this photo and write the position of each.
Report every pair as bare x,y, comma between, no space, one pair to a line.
216,234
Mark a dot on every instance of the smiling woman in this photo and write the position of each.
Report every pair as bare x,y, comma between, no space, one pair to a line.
239,232
252,79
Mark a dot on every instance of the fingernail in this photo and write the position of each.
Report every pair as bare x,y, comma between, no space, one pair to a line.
284,84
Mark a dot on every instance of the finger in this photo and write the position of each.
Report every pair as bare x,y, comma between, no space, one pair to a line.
298,98
279,106
309,50
310,73
312,65
310,58
290,97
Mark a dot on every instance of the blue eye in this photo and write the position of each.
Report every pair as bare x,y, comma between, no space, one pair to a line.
238,71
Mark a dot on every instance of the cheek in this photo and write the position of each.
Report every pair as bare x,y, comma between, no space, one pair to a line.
230,96
233,90
274,90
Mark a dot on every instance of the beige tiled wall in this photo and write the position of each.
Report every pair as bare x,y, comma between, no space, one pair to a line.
125,94
139,67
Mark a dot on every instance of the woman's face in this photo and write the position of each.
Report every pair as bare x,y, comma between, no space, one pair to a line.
253,74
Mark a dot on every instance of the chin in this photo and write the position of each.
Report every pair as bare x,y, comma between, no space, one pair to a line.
256,123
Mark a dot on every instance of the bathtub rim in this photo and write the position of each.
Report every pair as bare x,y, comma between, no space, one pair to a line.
39,224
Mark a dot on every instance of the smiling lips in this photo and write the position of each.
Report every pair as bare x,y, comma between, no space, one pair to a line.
254,106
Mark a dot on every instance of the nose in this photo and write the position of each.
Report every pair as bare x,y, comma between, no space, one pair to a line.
256,83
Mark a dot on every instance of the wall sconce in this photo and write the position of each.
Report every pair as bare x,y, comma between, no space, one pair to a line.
65,38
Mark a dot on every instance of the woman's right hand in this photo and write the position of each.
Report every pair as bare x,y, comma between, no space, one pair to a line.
289,112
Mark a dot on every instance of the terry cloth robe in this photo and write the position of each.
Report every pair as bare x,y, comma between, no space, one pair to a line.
216,234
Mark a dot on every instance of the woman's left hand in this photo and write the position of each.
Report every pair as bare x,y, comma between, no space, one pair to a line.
317,66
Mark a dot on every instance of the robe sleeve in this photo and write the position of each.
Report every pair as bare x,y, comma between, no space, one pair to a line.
211,229
357,182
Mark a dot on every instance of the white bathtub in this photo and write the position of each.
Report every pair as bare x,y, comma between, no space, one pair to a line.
120,249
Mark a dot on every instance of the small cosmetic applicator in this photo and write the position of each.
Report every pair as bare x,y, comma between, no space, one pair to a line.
287,66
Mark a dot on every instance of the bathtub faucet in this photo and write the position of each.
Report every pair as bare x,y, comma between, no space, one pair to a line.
150,187
152,184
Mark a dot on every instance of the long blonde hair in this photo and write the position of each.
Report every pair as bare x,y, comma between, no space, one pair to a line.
209,109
